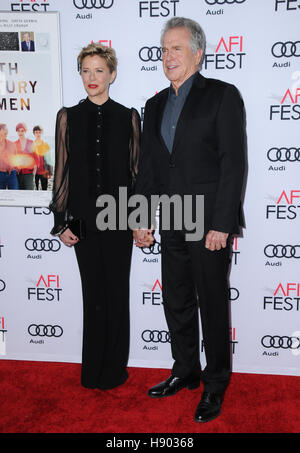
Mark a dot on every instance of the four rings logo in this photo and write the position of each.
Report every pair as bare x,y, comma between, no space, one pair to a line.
284,154
222,2
2,285
156,336
233,293
282,251
286,49
90,4
154,249
45,331
150,53
39,245
278,342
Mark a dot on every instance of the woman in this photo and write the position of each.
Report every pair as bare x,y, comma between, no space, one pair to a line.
97,144
8,172
26,158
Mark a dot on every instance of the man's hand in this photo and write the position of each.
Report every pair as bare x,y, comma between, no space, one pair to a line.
143,237
215,240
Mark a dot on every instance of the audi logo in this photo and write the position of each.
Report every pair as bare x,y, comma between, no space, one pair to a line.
282,251
286,49
156,336
2,285
150,53
278,342
90,4
45,245
284,154
233,293
154,249
45,331
222,2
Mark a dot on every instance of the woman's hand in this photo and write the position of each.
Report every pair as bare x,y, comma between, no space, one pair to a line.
68,238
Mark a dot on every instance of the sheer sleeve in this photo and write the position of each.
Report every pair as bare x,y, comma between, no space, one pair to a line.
60,193
135,145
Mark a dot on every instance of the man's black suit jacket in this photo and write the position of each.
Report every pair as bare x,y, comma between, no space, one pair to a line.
208,154
25,47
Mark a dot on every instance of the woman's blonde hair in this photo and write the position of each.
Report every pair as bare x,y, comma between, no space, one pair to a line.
107,53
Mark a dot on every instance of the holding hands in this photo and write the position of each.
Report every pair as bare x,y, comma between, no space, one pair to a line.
143,237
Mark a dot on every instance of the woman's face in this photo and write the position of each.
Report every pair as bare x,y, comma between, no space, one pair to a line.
38,134
21,132
96,78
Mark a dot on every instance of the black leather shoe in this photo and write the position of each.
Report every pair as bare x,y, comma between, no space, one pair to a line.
172,385
209,407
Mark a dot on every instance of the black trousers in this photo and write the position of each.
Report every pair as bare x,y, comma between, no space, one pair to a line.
104,263
44,182
194,276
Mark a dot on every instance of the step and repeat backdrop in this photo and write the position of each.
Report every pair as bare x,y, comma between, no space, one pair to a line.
253,44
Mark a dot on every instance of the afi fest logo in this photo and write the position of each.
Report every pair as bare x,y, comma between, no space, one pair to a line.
30,6
47,288
289,107
233,340
163,8
286,5
153,297
286,297
235,251
3,332
286,207
228,54
1,247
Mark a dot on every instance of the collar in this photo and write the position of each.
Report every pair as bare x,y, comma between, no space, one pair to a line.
184,88
96,107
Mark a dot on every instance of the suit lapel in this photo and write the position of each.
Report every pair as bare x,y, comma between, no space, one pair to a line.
192,100
160,110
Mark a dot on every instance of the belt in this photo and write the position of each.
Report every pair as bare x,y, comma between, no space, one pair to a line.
8,172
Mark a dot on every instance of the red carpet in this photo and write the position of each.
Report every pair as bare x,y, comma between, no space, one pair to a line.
40,397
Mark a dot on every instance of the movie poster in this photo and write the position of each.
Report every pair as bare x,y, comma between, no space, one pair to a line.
30,96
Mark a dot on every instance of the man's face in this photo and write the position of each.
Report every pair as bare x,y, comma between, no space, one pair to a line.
179,62
26,37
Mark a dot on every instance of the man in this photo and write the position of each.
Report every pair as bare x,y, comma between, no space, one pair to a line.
27,45
193,143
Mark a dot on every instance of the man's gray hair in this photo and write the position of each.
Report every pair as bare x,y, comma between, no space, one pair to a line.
197,41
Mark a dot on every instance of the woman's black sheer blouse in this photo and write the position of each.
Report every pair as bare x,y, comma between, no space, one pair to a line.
96,152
